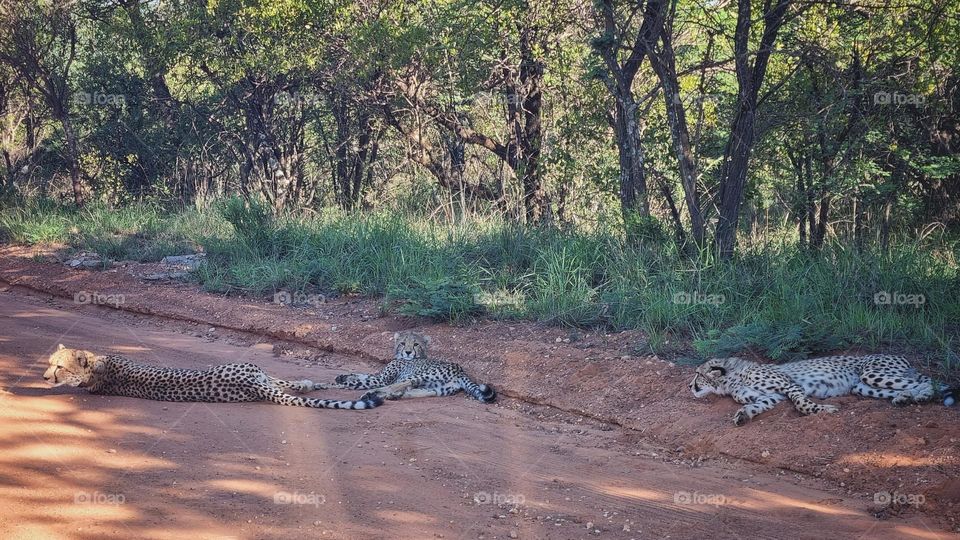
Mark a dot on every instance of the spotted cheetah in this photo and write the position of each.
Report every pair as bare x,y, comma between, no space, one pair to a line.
229,383
761,386
412,374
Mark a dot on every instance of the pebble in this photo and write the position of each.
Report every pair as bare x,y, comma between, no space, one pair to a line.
589,524
513,534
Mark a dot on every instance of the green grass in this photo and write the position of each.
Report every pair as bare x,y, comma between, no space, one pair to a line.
142,232
772,298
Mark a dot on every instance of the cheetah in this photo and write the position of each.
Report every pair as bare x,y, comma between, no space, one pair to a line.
229,383
758,387
412,374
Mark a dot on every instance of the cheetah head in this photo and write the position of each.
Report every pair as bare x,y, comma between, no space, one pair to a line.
711,375
72,367
410,345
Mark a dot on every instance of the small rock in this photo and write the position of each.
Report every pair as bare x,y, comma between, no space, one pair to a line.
765,453
513,534
589,524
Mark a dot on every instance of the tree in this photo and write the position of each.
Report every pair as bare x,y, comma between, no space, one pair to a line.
39,42
619,79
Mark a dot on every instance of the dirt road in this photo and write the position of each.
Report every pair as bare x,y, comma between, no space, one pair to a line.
80,466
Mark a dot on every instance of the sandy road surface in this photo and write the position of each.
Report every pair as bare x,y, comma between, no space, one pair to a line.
79,466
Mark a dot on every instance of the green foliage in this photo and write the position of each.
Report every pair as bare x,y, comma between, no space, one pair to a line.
443,299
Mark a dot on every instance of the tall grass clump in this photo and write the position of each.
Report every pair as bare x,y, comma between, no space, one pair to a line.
145,232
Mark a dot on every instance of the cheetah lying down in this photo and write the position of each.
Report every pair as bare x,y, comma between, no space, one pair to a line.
413,374
229,383
761,386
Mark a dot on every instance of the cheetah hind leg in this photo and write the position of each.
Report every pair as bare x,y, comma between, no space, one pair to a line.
302,386
270,393
897,397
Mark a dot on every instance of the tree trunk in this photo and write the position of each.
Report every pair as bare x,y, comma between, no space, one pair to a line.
633,182
664,64
736,155
531,142
733,174
73,156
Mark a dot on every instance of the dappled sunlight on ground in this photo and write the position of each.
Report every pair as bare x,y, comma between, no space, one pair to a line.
74,465
889,459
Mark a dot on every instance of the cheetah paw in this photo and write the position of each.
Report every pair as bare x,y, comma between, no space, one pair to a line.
377,394
741,418
829,408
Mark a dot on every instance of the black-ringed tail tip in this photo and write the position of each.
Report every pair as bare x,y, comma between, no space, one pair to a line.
950,397
486,394
369,401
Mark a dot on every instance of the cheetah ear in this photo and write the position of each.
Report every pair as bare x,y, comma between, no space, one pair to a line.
82,360
396,336
60,347
718,372
426,339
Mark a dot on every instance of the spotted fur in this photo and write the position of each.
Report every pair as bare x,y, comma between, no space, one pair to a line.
761,386
413,374
229,383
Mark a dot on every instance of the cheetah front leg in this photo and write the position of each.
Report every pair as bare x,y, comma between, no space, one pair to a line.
757,405
355,381
396,390
434,390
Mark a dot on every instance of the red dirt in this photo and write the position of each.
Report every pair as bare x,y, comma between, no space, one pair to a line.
588,433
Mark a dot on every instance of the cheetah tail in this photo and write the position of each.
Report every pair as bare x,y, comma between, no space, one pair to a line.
365,402
480,392
949,395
